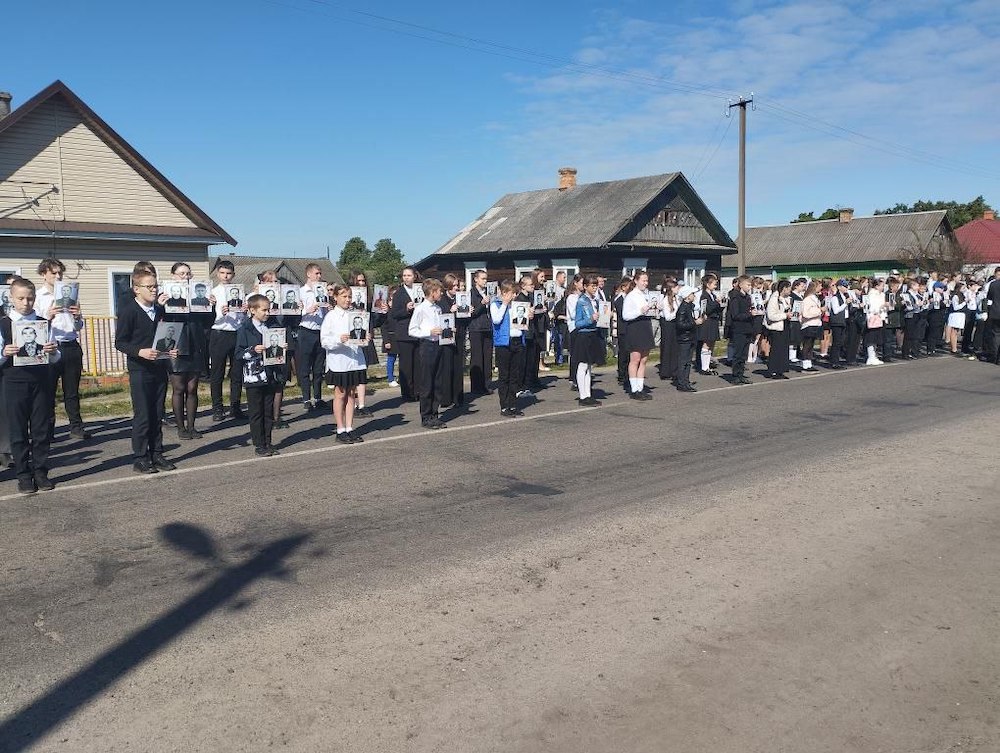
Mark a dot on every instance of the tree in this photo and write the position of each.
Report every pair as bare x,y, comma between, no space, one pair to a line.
958,214
386,262
944,254
829,214
355,256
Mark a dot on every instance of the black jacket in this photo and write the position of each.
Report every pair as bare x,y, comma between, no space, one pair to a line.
739,314
134,331
685,322
480,319
400,317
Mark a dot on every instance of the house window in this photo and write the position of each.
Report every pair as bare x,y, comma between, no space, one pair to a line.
570,266
524,267
470,267
119,285
631,266
694,270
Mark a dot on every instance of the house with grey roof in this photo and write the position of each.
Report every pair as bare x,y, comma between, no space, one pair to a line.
289,269
848,246
656,222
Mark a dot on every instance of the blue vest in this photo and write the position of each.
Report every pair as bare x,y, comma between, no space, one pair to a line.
501,331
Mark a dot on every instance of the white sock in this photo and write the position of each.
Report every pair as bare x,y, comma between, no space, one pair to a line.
634,384
706,359
752,353
791,353
350,429
807,364
871,352
340,431
640,381
583,380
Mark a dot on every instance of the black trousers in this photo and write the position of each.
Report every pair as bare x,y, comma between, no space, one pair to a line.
967,333
510,373
668,351
69,368
430,364
838,339
406,368
888,343
481,360
532,352
910,335
222,347
991,339
260,406
853,342
777,359
310,364
148,388
4,423
934,337
684,350
29,417
741,348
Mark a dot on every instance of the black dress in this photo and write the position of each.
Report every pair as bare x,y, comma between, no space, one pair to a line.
451,387
708,330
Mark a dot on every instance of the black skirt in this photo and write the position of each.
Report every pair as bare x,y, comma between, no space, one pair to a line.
708,330
668,350
588,347
758,325
639,335
814,332
347,379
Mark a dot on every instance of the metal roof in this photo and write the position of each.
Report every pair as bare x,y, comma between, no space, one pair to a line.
862,239
588,215
292,270
982,238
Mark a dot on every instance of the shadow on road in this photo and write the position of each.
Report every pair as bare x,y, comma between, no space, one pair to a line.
21,730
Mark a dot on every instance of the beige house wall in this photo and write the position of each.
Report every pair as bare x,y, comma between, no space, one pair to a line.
52,146
91,263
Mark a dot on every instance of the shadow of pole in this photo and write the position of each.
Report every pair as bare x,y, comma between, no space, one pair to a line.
21,730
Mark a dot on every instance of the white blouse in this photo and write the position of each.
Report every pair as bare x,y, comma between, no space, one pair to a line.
635,301
340,356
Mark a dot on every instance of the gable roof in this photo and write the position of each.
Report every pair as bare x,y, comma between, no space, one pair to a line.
588,215
982,239
293,270
863,239
124,150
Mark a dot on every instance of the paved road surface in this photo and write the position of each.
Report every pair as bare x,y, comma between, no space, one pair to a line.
800,566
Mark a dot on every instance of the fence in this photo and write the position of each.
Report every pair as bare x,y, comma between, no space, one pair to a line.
97,338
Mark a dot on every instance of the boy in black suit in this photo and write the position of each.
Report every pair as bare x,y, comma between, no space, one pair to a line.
147,377
27,395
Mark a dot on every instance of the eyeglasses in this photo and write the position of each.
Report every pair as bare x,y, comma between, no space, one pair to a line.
149,287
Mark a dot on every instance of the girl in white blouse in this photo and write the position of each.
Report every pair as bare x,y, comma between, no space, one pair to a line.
346,368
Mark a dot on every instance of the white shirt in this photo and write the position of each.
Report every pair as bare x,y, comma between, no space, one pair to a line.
231,321
313,321
669,314
63,326
632,308
571,301
54,356
340,356
426,316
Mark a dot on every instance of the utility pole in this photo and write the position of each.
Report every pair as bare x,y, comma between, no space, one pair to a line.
741,258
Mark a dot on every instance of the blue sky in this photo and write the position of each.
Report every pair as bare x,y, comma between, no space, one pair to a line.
297,124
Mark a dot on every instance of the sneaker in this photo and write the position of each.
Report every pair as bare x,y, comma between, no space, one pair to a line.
272,451
144,465
26,486
218,416
364,412
319,403
393,383
162,464
686,388
874,362
431,423
307,405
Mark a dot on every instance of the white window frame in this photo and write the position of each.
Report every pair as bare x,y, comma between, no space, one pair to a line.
694,270
524,267
570,266
470,267
632,265
112,271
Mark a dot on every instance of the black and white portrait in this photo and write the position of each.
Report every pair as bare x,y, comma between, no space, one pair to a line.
275,346
359,298
447,324
177,296
320,292
519,316
463,304
167,338
66,294
271,291
30,337
290,303
234,296
358,333
199,301
380,298
654,299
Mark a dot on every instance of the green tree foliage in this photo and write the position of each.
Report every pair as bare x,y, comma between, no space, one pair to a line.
354,256
829,214
958,213
386,262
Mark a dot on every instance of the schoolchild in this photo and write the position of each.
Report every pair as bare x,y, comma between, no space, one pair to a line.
509,350
222,345
451,387
621,345
686,323
345,363
711,315
261,382
480,336
668,331
589,344
812,324
837,305
147,372
403,305
27,395
185,370
741,326
777,316
425,329
894,318
311,364
638,335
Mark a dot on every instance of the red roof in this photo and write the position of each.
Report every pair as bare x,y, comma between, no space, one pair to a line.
982,238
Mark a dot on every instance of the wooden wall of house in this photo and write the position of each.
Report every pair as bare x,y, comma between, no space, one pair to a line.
53,146
91,263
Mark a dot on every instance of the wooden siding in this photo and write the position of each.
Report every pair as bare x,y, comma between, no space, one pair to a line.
90,263
52,146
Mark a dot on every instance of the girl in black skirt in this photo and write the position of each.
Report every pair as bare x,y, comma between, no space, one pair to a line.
185,370
777,316
621,347
668,331
346,370
451,387
377,318
708,330
758,345
638,333
589,345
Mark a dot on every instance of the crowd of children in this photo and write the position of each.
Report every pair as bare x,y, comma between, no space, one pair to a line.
789,322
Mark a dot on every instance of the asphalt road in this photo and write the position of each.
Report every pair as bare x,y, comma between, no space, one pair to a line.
808,565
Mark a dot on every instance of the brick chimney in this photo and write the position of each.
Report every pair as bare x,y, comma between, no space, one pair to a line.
567,178
846,215
5,99
989,214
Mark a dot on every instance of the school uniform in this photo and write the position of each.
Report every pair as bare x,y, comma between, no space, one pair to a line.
405,344
937,314
668,339
29,404
310,363
893,323
837,306
262,383
621,345
571,301
855,328
147,382
741,325
64,329
427,316
910,323
590,346
509,350
221,349
777,334
685,327
451,387
480,330
991,335
793,327
638,326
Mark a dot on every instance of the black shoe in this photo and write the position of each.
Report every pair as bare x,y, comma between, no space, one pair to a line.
640,396
218,416
307,406
160,463
432,423
344,437
686,388
319,403
743,380
26,486
272,451
237,414
184,434
193,433
78,432
6,460
588,402
144,465
280,424
364,412
516,412
262,452
354,438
